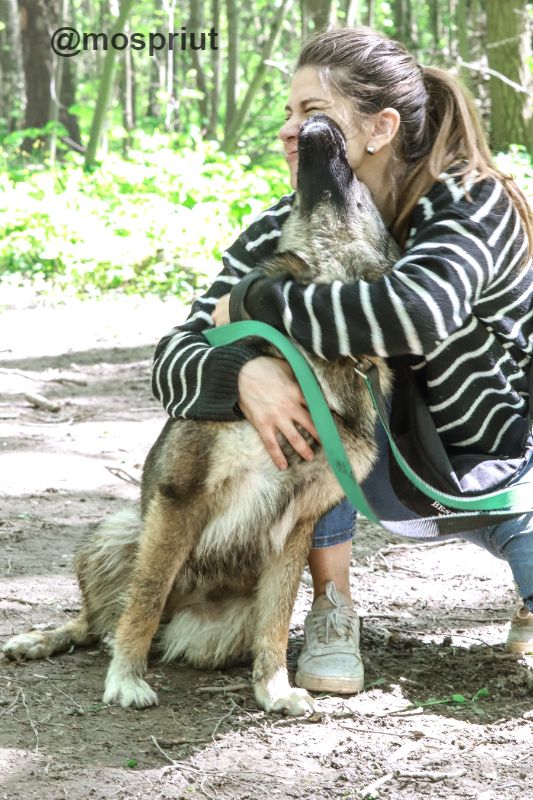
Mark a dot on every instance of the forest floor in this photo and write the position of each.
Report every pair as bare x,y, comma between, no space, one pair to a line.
434,618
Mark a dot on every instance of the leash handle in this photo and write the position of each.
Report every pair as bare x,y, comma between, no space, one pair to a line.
513,500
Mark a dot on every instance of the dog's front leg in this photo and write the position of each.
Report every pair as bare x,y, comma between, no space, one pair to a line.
171,528
276,595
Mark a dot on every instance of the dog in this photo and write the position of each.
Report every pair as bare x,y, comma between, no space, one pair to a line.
210,565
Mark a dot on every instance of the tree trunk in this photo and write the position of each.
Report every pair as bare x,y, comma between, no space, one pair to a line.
170,9
104,89
196,24
36,16
434,18
233,130
462,18
128,89
233,63
56,81
452,30
13,93
216,66
352,12
508,49
319,12
67,97
370,12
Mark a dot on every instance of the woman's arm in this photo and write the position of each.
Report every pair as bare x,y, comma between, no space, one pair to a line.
191,378
459,249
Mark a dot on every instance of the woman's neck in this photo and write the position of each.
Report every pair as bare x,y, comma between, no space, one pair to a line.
382,174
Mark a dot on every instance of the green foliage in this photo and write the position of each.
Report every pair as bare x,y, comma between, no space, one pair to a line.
455,699
519,164
157,221
154,222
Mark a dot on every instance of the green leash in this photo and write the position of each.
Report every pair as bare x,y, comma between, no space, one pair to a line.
513,500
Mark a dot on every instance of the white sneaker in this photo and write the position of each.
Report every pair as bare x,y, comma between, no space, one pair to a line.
520,638
330,660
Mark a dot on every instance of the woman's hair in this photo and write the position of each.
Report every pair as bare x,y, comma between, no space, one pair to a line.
439,122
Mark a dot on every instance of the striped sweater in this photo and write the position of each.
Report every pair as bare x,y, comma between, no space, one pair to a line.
458,304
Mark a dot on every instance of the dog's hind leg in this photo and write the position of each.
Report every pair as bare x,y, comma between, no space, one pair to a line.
276,595
41,644
103,564
171,528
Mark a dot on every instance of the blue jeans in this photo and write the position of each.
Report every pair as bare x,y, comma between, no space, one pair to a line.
511,541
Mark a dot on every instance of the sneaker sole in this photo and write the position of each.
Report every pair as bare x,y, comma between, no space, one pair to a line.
335,685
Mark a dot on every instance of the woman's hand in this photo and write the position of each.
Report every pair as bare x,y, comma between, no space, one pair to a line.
220,313
271,399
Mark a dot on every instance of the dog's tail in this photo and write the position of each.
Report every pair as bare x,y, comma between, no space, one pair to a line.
103,563
209,634
104,566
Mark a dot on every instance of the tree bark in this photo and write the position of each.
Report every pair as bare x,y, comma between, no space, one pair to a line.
370,12
319,12
352,12
462,18
508,49
434,17
37,60
13,92
233,64
216,67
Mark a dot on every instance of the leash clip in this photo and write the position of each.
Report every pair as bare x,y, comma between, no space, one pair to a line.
361,365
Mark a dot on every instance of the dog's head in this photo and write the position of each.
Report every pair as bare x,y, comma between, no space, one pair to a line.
324,174
334,228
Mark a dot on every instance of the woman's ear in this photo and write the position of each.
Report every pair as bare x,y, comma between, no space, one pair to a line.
384,128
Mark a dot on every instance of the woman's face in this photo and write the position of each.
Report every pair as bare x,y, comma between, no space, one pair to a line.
308,95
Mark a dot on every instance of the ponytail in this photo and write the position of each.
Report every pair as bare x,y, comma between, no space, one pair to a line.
453,135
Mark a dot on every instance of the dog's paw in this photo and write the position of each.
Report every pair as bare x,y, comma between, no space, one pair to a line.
30,646
127,690
277,695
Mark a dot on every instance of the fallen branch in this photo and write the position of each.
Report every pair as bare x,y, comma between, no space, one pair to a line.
428,775
368,791
32,723
78,380
230,687
225,717
13,704
118,472
39,401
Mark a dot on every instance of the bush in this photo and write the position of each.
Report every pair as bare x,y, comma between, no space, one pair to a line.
157,221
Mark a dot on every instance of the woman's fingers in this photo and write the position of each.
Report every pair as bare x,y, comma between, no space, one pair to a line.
220,313
271,399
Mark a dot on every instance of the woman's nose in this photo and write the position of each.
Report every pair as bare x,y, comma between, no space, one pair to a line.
289,130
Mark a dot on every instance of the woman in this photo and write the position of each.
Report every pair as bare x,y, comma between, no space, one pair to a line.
457,306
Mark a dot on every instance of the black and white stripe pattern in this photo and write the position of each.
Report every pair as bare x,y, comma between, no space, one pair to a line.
459,301
189,377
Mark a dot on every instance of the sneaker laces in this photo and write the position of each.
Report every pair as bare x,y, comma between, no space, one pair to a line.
341,618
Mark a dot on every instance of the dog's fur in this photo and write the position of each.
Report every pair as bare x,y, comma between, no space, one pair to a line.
212,562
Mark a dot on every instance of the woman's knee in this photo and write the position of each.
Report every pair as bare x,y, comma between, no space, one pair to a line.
337,526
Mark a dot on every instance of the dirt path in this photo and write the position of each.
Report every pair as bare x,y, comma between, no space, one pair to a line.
434,619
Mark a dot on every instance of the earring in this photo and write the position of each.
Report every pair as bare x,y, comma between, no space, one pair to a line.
370,149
